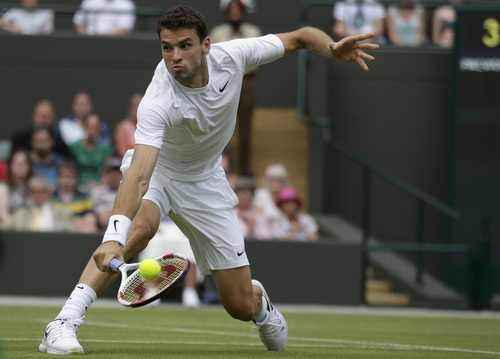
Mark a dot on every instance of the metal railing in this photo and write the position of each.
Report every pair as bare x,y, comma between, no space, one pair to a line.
369,169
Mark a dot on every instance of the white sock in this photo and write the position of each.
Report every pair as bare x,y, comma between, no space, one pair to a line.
263,316
76,306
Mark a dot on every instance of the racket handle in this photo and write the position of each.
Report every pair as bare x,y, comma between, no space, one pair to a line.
115,264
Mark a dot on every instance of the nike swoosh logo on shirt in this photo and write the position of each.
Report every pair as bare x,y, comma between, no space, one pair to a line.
221,89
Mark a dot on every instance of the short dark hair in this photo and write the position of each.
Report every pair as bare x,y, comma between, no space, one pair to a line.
183,17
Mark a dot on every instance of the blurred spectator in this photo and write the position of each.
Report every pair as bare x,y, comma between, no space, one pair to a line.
353,17
292,224
28,20
70,128
105,17
90,152
3,170
227,164
44,115
235,27
80,204
16,186
275,178
253,223
124,134
104,194
4,204
406,23
43,157
443,22
41,215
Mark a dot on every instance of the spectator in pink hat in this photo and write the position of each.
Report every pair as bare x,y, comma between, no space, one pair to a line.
292,223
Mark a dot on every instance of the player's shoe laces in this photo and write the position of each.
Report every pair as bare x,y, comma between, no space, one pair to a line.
273,332
60,337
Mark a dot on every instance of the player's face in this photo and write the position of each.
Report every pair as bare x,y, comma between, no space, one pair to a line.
184,56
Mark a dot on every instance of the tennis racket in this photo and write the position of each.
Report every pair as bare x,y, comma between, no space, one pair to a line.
136,291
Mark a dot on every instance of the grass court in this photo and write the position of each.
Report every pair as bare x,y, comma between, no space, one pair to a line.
168,331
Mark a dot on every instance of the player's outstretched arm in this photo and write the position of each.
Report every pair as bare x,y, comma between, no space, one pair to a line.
349,49
128,200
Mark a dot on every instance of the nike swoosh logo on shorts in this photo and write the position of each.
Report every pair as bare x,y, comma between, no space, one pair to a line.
240,253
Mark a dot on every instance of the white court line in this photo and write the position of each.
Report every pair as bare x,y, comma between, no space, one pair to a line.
346,344
318,342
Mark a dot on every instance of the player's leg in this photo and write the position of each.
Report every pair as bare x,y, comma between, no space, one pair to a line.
204,211
60,334
245,299
236,293
143,228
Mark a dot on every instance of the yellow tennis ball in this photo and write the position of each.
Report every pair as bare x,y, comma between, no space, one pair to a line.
149,269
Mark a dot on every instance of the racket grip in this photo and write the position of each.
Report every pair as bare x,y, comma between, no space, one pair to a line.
115,264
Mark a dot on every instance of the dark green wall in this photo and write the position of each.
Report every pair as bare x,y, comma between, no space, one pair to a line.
49,265
397,116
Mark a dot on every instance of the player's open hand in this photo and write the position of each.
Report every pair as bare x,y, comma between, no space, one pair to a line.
351,49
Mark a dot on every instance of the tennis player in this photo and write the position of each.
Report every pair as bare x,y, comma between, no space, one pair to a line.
185,120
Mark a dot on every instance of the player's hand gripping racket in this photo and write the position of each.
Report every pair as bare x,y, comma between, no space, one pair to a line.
135,291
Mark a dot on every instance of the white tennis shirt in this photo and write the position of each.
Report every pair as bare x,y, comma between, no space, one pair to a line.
191,126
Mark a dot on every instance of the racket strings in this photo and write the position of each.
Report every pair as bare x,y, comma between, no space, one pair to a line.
138,289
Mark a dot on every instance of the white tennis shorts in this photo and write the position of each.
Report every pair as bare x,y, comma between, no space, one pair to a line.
204,212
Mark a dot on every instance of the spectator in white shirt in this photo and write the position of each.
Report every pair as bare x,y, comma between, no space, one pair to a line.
105,17
28,20
353,17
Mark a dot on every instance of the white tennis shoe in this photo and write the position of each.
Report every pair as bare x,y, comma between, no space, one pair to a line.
60,337
274,331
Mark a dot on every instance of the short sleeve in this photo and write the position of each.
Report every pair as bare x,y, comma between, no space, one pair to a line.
255,51
151,124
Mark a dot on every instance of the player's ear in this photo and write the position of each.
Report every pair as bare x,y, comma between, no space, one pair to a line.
205,44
